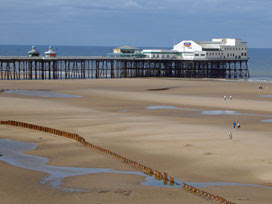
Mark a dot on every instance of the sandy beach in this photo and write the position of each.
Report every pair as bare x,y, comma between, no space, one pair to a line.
178,126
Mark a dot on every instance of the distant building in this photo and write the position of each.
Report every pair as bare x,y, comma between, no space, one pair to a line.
50,52
33,52
161,54
127,51
216,49
219,48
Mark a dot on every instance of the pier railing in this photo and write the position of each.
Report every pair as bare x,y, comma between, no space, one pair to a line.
18,68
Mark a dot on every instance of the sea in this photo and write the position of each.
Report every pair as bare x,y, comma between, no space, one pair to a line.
260,59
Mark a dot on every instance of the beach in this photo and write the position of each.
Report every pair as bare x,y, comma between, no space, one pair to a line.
178,126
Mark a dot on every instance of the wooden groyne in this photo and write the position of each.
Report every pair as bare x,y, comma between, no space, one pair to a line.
18,68
157,174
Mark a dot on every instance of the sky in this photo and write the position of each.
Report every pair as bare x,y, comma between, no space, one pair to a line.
156,23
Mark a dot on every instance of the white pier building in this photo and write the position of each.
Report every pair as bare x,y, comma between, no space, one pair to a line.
219,48
216,49
161,54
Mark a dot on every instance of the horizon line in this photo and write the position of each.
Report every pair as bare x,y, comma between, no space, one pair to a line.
106,46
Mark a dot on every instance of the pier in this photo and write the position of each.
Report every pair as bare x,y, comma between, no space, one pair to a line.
40,68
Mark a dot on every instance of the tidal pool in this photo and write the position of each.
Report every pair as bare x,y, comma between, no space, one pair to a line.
203,112
220,112
12,153
169,108
45,94
267,121
265,96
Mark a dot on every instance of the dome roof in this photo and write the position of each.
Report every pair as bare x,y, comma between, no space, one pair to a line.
50,51
128,47
33,51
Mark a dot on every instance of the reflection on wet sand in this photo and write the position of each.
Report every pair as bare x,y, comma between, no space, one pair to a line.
45,94
12,152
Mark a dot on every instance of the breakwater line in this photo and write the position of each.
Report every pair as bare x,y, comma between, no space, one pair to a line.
144,169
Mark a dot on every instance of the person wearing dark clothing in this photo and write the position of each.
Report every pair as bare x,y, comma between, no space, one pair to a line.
238,126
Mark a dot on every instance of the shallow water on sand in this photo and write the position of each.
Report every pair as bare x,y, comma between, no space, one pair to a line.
220,112
45,94
267,121
12,153
207,112
203,112
265,96
169,108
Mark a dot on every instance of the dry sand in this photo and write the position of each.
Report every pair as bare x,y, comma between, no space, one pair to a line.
112,114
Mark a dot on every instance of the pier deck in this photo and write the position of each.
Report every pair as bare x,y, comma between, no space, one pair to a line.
32,68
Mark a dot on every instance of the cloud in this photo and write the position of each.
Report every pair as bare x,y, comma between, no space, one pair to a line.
146,20
177,5
102,4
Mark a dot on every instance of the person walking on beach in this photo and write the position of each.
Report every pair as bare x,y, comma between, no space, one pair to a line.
234,125
238,126
225,98
230,136
230,97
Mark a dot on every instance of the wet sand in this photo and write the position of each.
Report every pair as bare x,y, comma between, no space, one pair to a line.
112,113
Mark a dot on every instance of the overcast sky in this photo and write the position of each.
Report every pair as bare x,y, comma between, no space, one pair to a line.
137,22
